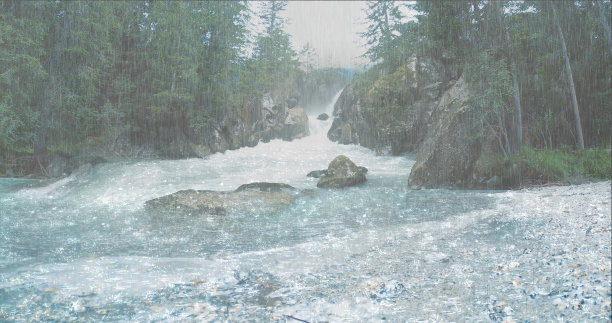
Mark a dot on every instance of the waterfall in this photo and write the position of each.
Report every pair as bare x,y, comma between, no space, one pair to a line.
319,128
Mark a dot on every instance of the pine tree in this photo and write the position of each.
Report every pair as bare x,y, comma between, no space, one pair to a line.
274,57
383,21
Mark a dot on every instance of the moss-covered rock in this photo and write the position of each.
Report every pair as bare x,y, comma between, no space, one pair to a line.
268,197
342,172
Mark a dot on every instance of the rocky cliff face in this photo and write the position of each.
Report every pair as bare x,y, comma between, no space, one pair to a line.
452,145
273,116
261,119
279,114
434,120
391,115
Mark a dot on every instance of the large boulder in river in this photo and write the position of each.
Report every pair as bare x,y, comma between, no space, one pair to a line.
323,116
253,197
342,172
296,124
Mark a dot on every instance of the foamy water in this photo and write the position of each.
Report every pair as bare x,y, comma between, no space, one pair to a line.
84,248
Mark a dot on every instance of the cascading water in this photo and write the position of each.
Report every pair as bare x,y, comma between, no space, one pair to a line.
84,248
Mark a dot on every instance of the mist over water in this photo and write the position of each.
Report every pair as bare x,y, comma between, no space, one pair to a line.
84,247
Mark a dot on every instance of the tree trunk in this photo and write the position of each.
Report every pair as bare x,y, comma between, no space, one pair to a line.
570,79
605,25
517,120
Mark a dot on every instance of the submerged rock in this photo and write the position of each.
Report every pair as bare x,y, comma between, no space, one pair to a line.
323,116
248,197
323,172
341,172
266,187
317,173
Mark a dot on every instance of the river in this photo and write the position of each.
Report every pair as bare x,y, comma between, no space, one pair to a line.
84,249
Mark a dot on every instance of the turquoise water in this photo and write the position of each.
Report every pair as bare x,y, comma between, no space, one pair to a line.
85,249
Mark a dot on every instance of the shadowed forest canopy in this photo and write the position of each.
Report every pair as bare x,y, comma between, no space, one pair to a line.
72,72
86,73
540,69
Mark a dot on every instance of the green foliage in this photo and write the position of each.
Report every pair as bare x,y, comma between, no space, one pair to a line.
595,163
390,95
383,21
531,166
392,88
444,27
387,97
491,43
13,132
490,77
72,72
274,60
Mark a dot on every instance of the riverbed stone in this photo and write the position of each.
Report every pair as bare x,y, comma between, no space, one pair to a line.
250,197
341,172
323,172
323,116
266,187
317,173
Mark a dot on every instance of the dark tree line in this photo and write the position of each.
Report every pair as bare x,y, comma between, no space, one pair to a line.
541,71
79,72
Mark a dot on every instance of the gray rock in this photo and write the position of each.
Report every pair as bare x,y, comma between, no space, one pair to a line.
453,145
341,172
292,102
357,122
346,136
253,197
317,173
266,187
323,116
296,124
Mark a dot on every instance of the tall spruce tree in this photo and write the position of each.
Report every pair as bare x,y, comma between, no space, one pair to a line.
383,28
274,57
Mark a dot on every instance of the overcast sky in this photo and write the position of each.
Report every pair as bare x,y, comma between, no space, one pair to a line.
331,28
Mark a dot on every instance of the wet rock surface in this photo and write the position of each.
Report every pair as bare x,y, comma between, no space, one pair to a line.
446,158
295,125
538,255
342,172
317,173
323,116
357,122
246,198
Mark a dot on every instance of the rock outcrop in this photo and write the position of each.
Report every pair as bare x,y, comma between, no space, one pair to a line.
251,197
295,125
423,107
360,120
323,116
453,144
341,172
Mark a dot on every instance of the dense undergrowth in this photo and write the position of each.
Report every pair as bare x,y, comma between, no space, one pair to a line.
537,167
